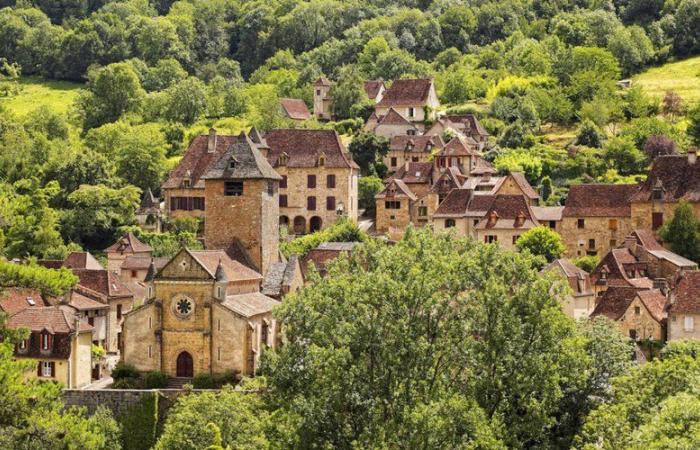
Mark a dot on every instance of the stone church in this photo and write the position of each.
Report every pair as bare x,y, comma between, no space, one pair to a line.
204,311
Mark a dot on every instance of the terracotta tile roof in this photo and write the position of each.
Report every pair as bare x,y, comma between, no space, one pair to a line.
471,124
647,239
322,81
397,188
393,118
249,305
373,87
235,271
655,303
614,302
295,108
483,167
509,211
415,173
142,262
14,299
50,263
304,148
623,269
458,146
547,213
197,160
84,303
686,297
324,254
455,204
678,178
420,143
447,181
599,200
579,280
407,92
82,260
54,319
128,244
103,281
241,160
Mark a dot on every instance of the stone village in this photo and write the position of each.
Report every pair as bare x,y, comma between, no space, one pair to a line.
210,311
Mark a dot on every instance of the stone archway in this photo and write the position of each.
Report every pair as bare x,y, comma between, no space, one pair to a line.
184,365
315,224
299,225
284,222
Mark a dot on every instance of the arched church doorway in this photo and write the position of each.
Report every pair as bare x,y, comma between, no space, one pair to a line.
184,365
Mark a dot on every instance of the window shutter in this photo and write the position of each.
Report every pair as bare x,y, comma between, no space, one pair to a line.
330,203
173,200
53,369
38,368
311,181
283,182
330,181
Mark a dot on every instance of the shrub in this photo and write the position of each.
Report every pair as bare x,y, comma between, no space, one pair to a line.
155,380
122,371
127,383
342,231
587,263
213,381
140,423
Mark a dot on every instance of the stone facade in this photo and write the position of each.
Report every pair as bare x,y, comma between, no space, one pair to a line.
593,236
414,99
684,312
322,99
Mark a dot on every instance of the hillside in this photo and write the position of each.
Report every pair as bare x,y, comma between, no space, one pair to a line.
682,77
36,92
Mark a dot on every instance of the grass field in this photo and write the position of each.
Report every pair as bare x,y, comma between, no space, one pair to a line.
36,92
683,77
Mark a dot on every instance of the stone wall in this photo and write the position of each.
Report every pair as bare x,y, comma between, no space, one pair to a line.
606,233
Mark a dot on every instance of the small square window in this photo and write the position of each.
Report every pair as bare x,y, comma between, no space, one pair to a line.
233,188
581,223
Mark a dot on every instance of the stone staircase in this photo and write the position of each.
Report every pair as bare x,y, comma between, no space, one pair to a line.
178,382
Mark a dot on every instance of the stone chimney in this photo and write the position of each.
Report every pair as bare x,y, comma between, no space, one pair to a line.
662,285
631,244
211,145
692,155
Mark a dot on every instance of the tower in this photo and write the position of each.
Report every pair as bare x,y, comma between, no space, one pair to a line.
241,192
322,99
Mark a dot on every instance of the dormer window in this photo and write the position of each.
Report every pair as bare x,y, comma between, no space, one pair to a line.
429,146
283,158
45,341
657,194
186,183
322,160
22,345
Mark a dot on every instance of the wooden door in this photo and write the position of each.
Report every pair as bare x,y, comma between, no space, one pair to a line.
185,365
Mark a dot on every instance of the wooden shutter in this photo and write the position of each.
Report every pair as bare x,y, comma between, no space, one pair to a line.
53,369
311,203
283,182
311,181
330,203
38,369
330,181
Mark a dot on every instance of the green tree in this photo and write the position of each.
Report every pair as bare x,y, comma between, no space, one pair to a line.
366,148
49,281
624,156
694,126
587,262
367,188
186,101
240,420
112,91
589,135
348,93
542,241
682,232
520,161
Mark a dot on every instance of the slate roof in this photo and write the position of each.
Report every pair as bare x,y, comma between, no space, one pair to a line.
686,297
15,299
548,213
420,143
149,202
679,179
295,108
393,118
397,188
82,302
128,243
279,274
407,92
54,319
483,167
235,271
455,204
103,281
415,173
373,87
599,200
249,163
251,304
623,269
197,160
471,124
82,260
304,147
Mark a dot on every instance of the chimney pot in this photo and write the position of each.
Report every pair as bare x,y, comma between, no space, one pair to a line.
211,144
661,284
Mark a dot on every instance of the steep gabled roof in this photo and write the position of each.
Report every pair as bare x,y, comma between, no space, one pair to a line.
578,279
510,211
407,92
197,160
623,269
303,148
397,188
614,302
393,118
599,200
82,260
471,124
280,275
149,202
103,281
15,299
414,173
678,178
455,204
295,108
242,160
249,305
420,143
686,297
128,243
459,146
54,319
234,270
322,81
373,88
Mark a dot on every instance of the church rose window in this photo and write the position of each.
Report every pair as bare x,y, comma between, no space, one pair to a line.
183,307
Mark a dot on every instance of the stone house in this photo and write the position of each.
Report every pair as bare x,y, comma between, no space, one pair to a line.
413,99
596,218
319,179
671,179
205,315
390,124
59,341
404,149
466,125
640,313
183,191
684,309
549,216
461,153
294,109
135,268
325,253
126,246
283,277
393,208
580,302
322,99
241,190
